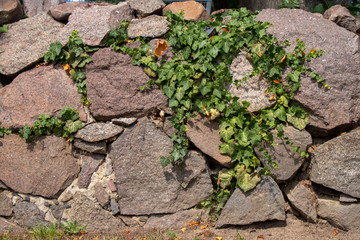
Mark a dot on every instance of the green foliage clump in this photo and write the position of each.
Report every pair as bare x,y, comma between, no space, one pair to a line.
50,231
4,28
73,227
4,130
196,80
64,127
73,57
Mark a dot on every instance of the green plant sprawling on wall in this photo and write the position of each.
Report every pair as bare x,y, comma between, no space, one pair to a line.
73,57
64,127
195,80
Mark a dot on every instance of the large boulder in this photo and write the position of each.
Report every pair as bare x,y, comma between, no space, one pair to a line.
91,215
343,215
63,11
44,167
263,203
152,26
144,8
34,7
336,164
193,11
26,42
94,23
281,153
143,186
113,85
342,17
253,89
10,11
43,90
204,134
330,110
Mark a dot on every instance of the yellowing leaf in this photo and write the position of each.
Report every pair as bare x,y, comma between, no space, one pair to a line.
218,238
127,40
335,232
161,47
312,50
192,223
66,67
183,229
277,81
205,226
283,59
126,230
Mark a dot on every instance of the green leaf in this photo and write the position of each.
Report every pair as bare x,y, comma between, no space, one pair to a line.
4,28
214,51
280,113
168,90
68,114
226,133
226,148
299,123
180,92
245,181
225,176
173,103
164,161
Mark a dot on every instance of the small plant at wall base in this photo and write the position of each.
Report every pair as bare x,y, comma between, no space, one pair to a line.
47,125
195,80
4,130
4,28
73,57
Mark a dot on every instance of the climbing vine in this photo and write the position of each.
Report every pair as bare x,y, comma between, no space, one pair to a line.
196,80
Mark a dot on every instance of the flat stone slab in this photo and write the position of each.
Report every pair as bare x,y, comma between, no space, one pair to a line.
26,42
336,164
96,132
91,147
143,186
89,166
144,8
152,26
263,203
44,167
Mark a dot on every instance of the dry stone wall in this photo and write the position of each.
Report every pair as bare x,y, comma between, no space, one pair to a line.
110,177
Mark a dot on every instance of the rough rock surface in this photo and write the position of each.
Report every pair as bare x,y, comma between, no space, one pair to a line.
34,7
144,8
113,85
336,164
10,11
253,89
43,90
44,167
94,23
89,166
204,134
124,122
91,147
263,203
152,26
302,198
342,17
101,195
91,215
26,42
63,11
193,11
6,226
143,186
347,199
337,108
173,221
343,215
98,131
288,160
28,215
6,206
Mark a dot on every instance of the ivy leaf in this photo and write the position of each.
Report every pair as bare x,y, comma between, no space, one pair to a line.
164,161
180,92
226,133
280,113
168,90
299,123
187,83
214,51
225,176
205,89
226,149
245,181
173,103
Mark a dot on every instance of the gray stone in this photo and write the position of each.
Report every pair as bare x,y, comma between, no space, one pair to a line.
6,227
124,122
91,147
34,7
347,199
342,17
287,159
101,195
91,215
303,198
113,85
98,131
10,11
114,206
253,89
173,221
44,167
343,215
263,203
63,11
336,164
90,165
94,23
143,186
204,134
6,206
152,26
28,215
26,42
331,110
144,8
43,90
57,211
